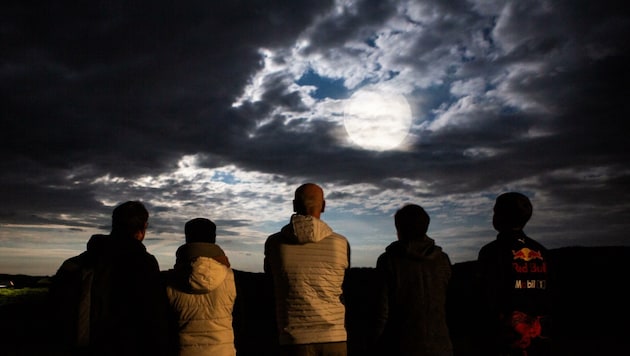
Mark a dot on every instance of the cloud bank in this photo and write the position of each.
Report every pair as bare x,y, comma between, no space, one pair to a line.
221,109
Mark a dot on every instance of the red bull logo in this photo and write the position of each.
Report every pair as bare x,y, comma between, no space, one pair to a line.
526,254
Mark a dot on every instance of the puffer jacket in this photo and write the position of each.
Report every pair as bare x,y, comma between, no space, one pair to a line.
307,262
202,293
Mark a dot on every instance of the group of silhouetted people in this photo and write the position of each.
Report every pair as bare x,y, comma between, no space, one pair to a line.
113,299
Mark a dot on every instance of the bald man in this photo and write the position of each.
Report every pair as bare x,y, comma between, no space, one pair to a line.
307,261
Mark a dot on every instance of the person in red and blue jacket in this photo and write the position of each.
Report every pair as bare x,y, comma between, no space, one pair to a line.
514,284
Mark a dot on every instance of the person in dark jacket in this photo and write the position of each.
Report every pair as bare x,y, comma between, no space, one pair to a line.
110,299
414,274
514,285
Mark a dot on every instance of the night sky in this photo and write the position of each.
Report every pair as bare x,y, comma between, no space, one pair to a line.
220,109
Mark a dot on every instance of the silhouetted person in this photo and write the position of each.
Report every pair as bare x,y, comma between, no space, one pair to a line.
202,292
307,261
414,273
110,300
513,273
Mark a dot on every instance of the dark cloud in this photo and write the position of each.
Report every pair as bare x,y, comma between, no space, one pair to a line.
99,96
91,83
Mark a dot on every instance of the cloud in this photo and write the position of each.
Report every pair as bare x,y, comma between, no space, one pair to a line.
220,109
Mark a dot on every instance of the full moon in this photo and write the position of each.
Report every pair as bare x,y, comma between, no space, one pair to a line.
377,121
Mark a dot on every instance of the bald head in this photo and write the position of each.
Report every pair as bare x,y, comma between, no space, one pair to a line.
309,200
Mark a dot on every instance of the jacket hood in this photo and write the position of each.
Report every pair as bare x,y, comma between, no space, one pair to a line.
111,245
193,250
416,249
97,242
200,267
304,229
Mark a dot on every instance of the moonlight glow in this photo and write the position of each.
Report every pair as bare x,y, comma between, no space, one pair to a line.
377,121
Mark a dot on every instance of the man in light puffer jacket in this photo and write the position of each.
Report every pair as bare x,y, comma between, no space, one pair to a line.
202,293
307,262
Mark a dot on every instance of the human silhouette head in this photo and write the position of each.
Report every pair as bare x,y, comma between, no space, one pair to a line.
309,200
512,211
129,219
200,230
411,222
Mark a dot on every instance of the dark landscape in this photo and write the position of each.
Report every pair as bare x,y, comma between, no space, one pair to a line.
591,313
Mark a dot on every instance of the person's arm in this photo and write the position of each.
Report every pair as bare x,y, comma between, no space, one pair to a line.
381,307
266,261
64,298
349,265
157,309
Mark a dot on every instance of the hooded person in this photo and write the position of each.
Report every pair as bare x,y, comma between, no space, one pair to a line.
202,292
110,299
413,275
307,262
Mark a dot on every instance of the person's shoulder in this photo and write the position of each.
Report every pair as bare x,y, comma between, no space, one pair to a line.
382,257
273,242
273,238
443,254
72,264
129,251
491,248
98,240
445,260
337,239
149,258
338,236
534,242
275,235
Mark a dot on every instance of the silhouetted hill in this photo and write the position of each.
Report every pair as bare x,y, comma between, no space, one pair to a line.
590,311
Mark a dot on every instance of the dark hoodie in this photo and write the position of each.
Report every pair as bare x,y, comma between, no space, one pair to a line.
414,276
110,300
